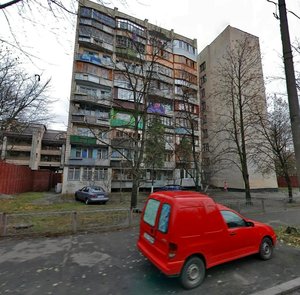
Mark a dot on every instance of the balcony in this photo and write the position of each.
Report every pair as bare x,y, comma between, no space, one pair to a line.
91,79
49,164
103,141
103,99
51,152
89,162
77,139
95,43
185,83
95,60
169,146
169,165
19,148
129,53
16,161
161,93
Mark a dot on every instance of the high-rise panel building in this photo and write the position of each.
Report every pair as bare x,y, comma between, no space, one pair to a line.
127,72
218,65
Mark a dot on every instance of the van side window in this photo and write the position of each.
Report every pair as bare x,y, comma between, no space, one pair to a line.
164,218
232,219
151,211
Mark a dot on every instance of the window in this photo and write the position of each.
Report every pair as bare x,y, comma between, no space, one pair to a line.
103,134
85,132
151,211
100,174
202,67
203,79
169,138
164,218
232,219
206,147
168,157
202,92
104,19
102,153
130,26
124,94
87,174
74,173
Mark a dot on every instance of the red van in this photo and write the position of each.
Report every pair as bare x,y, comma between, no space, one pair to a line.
184,233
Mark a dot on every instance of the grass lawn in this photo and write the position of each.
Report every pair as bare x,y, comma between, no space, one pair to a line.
49,213
41,202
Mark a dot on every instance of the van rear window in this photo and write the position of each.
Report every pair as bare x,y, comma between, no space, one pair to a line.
151,211
164,218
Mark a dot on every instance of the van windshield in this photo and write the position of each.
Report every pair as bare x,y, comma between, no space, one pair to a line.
151,211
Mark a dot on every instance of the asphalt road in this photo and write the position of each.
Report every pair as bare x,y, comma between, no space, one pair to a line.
109,263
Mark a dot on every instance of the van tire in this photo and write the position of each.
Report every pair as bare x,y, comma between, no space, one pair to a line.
266,249
192,273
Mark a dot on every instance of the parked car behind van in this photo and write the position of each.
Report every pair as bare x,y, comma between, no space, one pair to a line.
92,194
183,233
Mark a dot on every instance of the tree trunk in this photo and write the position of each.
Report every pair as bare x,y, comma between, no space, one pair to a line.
247,190
290,189
134,193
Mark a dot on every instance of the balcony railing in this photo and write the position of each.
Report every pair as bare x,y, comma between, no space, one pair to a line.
49,163
162,93
95,60
93,79
82,139
51,152
95,43
103,99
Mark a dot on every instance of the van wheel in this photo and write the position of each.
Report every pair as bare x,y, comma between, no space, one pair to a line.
193,273
266,249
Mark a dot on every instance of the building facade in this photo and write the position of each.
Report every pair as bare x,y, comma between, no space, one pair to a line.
218,63
127,71
34,146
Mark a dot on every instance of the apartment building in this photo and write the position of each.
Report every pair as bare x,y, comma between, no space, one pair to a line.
216,109
34,146
125,72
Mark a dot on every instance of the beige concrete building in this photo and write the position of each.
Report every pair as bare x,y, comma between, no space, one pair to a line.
34,146
216,109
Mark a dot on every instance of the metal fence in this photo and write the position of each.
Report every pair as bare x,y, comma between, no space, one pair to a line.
258,205
47,223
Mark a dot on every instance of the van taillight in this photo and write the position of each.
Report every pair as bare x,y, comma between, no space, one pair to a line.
172,250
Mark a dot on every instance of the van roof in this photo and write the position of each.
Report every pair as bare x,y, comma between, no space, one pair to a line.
180,194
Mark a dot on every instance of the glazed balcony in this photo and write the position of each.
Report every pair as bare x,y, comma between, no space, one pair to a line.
92,79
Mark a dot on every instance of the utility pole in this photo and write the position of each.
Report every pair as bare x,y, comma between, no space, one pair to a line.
290,83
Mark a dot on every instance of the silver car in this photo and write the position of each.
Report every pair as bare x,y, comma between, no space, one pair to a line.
92,194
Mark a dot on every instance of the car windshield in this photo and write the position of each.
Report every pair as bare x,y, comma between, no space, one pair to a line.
97,189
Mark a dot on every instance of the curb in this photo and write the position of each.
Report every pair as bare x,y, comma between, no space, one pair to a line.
285,288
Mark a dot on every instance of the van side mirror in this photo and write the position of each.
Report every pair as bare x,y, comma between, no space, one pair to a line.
250,223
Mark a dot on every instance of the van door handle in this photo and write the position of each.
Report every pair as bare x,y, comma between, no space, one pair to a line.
233,233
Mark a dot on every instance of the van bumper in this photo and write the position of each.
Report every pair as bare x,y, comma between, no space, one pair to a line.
168,267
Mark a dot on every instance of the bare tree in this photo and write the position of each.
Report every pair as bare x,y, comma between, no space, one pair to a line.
276,151
22,96
188,151
135,79
155,147
240,88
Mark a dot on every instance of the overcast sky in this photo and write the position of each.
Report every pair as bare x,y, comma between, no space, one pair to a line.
51,40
